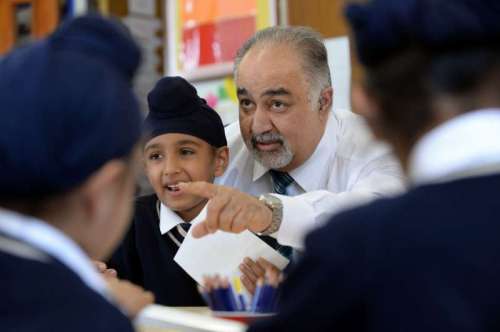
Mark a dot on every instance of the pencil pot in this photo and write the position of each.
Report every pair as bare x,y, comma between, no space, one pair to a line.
242,316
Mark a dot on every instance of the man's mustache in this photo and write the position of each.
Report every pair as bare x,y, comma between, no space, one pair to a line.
267,138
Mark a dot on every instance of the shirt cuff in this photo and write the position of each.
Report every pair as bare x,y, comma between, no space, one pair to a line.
298,220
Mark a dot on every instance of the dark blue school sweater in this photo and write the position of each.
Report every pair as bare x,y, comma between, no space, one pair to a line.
147,259
428,260
46,296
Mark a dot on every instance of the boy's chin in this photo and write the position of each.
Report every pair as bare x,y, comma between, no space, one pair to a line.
183,206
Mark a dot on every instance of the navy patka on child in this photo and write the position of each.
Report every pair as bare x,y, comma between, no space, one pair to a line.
146,257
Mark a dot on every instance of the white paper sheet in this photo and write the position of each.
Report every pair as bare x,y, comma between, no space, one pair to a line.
221,253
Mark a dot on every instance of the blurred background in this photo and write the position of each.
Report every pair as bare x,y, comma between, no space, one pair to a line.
196,39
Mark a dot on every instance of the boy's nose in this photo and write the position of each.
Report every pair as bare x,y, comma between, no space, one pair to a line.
171,167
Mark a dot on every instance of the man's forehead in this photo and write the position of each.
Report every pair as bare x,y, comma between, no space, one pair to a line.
270,58
282,84
270,69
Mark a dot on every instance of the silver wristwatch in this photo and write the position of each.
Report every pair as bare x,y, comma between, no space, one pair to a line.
273,203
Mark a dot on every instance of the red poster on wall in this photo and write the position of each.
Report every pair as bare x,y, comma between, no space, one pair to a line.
208,33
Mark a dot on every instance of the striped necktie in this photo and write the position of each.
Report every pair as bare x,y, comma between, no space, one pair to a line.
281,180
176,234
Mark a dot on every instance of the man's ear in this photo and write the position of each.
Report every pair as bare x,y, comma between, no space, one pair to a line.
221,160
97,191
325,102
326,99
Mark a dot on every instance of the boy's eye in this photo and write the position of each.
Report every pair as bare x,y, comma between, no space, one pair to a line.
154,156
186,152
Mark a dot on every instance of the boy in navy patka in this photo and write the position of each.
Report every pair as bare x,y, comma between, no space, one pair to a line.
185,142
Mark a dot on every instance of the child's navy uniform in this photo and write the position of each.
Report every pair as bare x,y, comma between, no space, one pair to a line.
146,258
41,294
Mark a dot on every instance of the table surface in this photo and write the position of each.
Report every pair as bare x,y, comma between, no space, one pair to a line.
164,325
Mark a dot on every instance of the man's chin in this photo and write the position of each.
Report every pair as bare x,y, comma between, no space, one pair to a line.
266,155
273,161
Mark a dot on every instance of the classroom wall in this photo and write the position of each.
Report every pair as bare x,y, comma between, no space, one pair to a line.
325,16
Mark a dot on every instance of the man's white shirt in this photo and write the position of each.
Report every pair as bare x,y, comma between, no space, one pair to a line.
347,168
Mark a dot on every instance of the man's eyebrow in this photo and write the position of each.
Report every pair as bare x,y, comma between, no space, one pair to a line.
276,92
241,91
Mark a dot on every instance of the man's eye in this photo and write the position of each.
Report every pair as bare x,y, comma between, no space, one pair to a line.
278,105
246,103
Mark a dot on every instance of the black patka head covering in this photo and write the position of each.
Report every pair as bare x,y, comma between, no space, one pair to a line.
385,27
67,107
175,107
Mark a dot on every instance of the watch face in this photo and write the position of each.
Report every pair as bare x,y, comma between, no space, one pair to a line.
276,207
272,200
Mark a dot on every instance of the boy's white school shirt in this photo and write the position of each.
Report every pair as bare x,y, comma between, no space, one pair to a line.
467,145
169,219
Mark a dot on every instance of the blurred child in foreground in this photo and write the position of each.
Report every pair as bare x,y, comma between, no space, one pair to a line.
69,129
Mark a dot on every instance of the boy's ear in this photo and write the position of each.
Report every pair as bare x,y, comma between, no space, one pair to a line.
95,190
221,160
365,105
361,101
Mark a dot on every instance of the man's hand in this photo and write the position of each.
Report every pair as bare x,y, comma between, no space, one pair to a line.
131,298
229,209
253,271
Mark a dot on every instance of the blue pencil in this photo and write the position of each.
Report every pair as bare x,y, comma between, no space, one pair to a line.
256,295
205,295
230,294
217,296
228,300
265,299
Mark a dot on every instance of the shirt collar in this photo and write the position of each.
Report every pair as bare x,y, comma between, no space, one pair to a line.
169,219
50,240
258,170
463,146
310,175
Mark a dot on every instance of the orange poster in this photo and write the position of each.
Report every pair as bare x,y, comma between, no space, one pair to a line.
211,31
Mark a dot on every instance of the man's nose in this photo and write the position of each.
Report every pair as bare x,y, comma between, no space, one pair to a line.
261,122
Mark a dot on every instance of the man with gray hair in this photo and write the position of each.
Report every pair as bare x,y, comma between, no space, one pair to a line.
288,142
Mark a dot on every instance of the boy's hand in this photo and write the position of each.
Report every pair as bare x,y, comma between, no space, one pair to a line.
131,298
253,271
229,209
103,269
